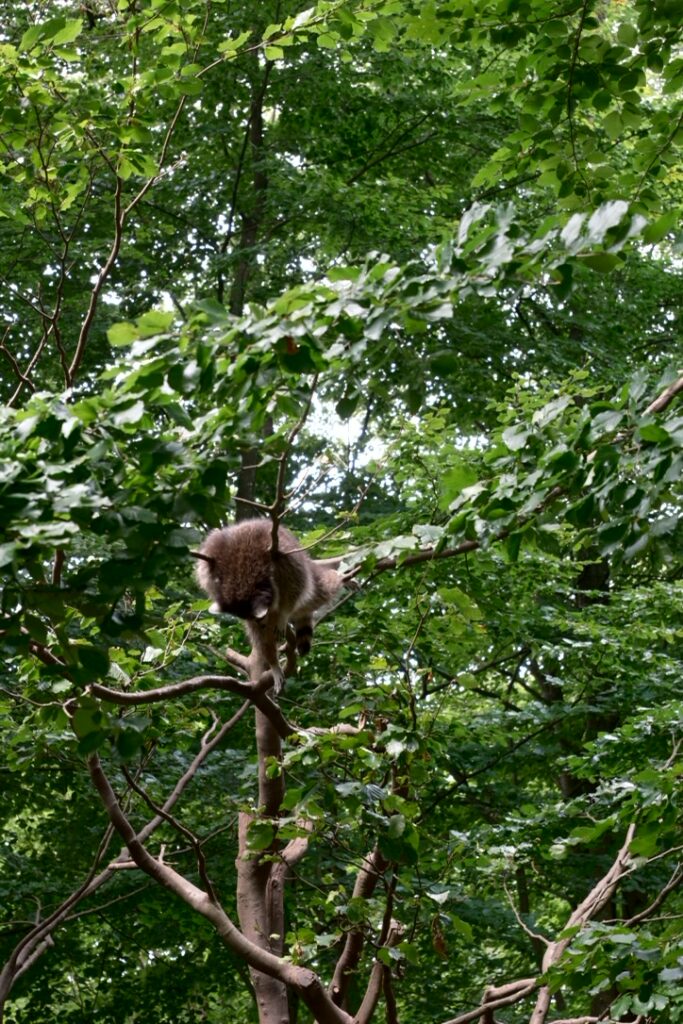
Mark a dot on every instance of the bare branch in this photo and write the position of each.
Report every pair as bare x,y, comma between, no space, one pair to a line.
16,369
389,997
514,992
32,945
372,994
162,160
296,849
596,899
173,690
673,883
666,397
372,869
277,508
234,658
179,827
255,692
39,939
302,980
522,924
392,934
577,1020
427,555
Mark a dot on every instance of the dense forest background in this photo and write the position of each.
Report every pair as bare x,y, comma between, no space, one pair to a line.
407,277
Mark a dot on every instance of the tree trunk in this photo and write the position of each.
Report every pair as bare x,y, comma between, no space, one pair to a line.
260,884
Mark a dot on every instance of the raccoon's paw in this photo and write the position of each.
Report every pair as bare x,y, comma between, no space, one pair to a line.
278,679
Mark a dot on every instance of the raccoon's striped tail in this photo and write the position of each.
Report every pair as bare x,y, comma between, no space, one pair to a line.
304,636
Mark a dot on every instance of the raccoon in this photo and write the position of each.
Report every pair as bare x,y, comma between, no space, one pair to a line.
238,569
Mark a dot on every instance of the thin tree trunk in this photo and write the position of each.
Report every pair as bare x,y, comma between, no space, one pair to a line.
260,883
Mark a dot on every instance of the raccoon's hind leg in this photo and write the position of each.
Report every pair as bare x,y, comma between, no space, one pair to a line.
263,638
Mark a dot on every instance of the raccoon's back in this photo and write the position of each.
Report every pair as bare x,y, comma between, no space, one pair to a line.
241,560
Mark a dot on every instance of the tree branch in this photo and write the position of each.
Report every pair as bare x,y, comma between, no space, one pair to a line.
256,692
513,992
666,397
179,827
371,870
39,939
304,981
596,899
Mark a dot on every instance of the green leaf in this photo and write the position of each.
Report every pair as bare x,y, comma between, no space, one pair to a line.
8,552
613,125
87,720
261,835
515,437
583,512
601,262
653,432
122,334
214,310
231,45
94,659
30,38
72,29
461,927
131,414
154,322
671,974
661,227
462,601
410,952
627,34
455,480
190,87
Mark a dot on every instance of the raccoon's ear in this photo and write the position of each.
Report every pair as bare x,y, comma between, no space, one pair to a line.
260,605
204,558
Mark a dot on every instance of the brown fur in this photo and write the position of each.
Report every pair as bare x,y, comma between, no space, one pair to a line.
238,570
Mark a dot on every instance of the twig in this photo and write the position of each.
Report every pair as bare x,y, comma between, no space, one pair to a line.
570,86
522,924
673,883
29,948
105,270
277,507
179,827
29,369
11,359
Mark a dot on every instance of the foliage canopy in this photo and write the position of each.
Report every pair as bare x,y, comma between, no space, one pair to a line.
409,274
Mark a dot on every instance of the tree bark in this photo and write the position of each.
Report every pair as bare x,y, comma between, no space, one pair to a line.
260,881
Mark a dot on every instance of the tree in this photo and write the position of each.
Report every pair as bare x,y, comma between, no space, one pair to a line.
226,236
